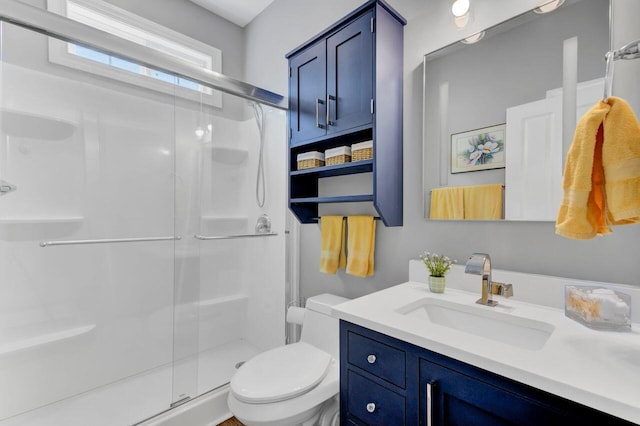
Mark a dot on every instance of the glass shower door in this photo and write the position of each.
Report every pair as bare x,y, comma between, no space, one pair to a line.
87,243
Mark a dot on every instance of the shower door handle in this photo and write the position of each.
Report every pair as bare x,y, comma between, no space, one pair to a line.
107,241
233,237
318,103
6,187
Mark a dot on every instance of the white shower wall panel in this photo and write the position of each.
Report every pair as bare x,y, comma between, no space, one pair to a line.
227,179
73,318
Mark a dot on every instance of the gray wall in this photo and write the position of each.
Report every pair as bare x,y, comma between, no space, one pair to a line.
526,247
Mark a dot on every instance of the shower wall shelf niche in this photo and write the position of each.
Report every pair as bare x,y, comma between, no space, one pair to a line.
44,339
225,220
345,87
229,155
32,126
40,220
222,300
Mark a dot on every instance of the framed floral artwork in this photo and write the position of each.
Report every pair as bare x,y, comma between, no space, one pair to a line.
479,149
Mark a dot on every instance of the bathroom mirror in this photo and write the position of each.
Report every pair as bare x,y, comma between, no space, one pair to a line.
507,89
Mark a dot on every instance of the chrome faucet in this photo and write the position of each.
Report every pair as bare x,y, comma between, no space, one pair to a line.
480,264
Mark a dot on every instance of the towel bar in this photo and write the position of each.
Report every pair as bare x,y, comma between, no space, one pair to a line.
317,219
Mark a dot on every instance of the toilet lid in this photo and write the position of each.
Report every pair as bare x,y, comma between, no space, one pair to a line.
281,373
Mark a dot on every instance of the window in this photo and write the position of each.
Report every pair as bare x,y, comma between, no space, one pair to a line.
126,25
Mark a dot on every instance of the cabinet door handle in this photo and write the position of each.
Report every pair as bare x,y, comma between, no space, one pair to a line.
371,359
430,390
371,407
318,103
329,99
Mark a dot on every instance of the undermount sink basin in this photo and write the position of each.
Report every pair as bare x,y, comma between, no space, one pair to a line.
481,321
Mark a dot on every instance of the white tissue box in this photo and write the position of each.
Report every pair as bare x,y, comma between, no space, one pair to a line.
597,307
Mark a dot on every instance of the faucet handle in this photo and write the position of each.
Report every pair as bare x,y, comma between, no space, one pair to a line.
501,289
477,264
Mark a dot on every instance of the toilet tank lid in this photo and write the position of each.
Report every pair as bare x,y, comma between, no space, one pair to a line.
323,302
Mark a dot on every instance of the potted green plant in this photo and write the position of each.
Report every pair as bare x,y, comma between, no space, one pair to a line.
438,265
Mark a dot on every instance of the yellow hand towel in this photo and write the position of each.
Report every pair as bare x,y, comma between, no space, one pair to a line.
447,203
483,202
582,213
598,195
332,254
361,241
621,163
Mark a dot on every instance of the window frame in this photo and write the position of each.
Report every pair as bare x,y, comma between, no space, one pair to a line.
59,53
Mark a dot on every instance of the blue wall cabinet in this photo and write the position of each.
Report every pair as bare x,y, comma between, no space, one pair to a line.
385,381
345,87
307,93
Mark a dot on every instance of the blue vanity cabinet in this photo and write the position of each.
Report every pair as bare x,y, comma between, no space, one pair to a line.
450,397
386,381
345,87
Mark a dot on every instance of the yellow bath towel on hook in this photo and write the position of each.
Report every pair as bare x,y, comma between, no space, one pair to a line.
361,241
332,254
621,163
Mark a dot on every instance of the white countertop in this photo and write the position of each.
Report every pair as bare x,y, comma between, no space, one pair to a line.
600,369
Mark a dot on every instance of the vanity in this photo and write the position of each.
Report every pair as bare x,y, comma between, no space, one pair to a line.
409,356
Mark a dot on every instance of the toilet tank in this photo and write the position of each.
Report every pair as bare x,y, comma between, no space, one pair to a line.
319,328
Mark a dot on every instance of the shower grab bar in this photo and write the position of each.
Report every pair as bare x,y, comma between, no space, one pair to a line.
106,241
65,29
233,237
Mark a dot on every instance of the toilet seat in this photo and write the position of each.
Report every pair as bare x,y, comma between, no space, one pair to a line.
280,374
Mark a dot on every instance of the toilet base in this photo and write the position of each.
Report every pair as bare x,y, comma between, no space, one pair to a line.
313,406
328,414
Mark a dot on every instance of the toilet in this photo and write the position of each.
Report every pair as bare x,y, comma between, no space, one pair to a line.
296,384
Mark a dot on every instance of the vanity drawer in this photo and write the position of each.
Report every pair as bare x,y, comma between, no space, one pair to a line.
372,403
375,357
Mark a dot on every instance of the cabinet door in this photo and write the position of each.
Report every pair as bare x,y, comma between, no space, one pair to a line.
307,88
452,398
350,75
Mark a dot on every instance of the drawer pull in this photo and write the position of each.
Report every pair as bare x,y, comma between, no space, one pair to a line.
371,407
371,359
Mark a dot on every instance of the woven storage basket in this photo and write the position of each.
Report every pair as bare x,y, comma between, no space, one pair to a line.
309,160
338,155
362,151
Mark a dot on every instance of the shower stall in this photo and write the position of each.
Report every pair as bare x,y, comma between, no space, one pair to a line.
132,278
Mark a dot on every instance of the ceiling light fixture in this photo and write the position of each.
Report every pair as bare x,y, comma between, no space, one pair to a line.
549,7
460,8
461,13
473,38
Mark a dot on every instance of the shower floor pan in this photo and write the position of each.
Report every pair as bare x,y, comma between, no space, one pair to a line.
138,397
